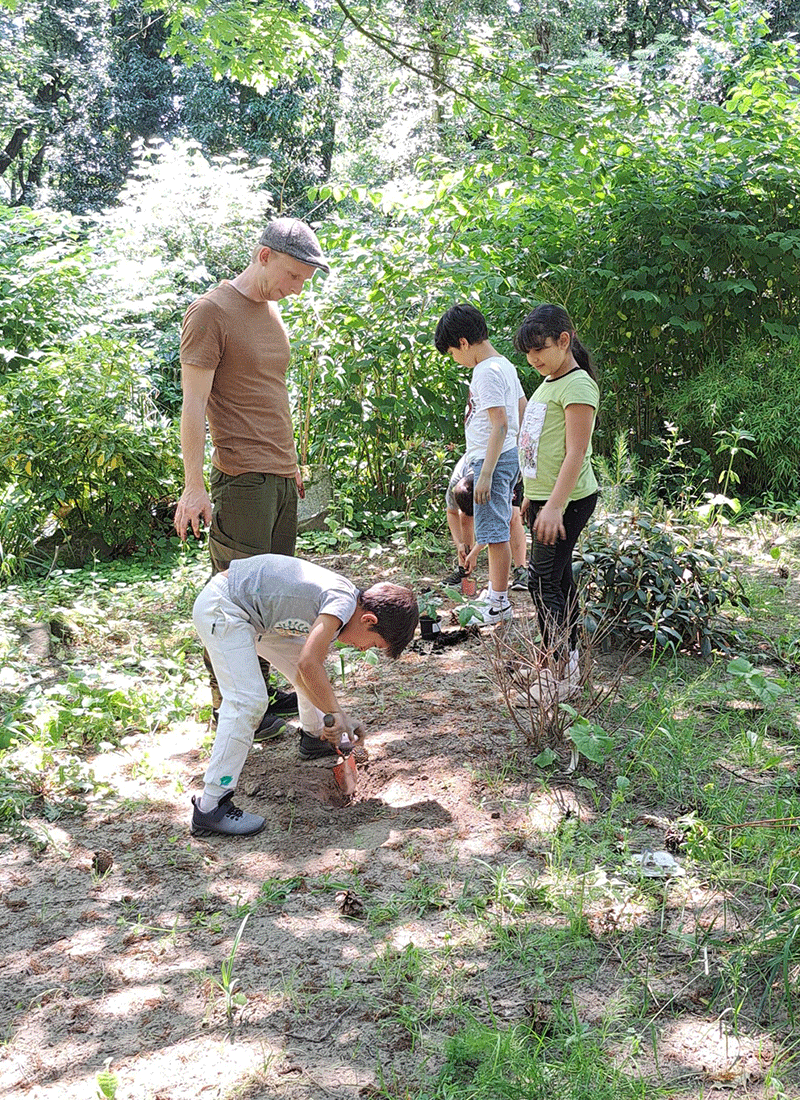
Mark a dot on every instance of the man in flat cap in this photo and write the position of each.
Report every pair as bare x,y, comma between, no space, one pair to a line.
234,357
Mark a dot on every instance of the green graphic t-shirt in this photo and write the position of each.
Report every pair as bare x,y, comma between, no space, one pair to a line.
543,435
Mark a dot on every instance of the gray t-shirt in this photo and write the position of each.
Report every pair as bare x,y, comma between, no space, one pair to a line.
282,595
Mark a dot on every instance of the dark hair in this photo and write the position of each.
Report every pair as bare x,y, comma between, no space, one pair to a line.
396,610
463,494
460,320
548,320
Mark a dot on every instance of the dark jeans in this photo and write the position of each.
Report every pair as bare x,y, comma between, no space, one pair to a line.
253,514
550,581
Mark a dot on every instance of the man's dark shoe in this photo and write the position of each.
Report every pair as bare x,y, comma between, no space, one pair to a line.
313,748
270,727
225,820
283,703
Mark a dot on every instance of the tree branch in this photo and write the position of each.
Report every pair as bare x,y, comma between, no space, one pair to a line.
14,147
381,42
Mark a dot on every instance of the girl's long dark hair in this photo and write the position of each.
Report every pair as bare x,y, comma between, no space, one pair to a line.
549,320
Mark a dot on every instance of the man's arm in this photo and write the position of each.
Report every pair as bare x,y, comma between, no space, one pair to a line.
499,421
195,503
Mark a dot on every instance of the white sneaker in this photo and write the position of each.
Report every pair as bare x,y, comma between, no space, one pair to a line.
548,692
545,688
488,615
570,685
574,665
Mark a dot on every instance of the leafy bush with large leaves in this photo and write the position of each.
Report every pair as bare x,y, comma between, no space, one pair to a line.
660,583
85,454
43,268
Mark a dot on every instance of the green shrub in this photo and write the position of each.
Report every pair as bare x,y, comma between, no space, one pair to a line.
42,281
658,582
85,456
759,382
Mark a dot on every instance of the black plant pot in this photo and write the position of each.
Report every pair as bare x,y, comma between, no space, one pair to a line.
428,627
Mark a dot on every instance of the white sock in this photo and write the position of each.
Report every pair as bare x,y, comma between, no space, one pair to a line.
208,802
498,599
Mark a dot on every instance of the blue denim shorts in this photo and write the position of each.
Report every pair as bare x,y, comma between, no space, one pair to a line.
492,520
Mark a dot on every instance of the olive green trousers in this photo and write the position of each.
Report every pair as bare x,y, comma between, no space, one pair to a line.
253,514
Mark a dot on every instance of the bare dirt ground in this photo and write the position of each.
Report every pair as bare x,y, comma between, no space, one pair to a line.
361,952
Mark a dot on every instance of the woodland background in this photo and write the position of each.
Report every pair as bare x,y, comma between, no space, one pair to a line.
637,162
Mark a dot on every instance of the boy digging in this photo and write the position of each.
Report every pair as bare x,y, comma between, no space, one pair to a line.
491,423
287,611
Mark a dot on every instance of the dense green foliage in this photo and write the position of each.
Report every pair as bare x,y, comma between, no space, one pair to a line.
659,583
42,282
85,79
106,461
458,153
757,385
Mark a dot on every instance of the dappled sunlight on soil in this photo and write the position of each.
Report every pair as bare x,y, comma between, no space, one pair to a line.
479,883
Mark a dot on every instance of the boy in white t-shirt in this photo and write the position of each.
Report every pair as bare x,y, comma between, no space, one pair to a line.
491,423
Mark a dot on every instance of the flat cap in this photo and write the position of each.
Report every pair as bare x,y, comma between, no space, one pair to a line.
296,239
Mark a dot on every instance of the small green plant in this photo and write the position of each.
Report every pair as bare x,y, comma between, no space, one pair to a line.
107,1083
275,891
588,739
467,608
226,983
764,689
350,659
429,604
729,441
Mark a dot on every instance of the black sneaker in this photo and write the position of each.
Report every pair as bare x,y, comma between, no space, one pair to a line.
225,820
454,579
269,728
519,579
314,748
283,703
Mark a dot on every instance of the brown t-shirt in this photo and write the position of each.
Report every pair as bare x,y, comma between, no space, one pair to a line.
246,344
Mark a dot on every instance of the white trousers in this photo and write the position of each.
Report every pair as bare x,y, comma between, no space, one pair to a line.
234,646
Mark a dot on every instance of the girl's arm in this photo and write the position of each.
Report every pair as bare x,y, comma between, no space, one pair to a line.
549,524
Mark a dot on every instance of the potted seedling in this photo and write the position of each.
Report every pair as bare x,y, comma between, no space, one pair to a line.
429,614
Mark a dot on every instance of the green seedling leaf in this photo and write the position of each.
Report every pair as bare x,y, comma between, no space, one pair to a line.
590,740
466,613
545,759
764,689
107,1084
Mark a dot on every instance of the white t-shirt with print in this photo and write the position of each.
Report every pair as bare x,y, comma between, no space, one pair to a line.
494,384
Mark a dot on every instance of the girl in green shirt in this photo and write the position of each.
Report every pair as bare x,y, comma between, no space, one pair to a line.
555,448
